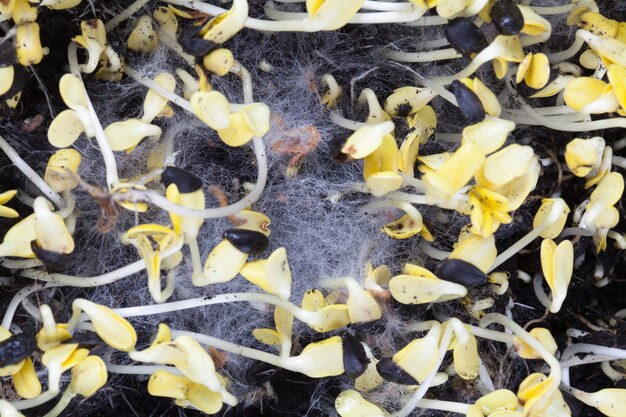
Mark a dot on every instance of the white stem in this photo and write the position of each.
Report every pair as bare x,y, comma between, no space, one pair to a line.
568,53
39,182
299,313
555,213
428,21
555,368
84,282
103,142
196,261
441,405
548,10
162,91
339,120
125,14
20,263
237,349
17,299
34,402
539,292
577,348
427,56
65,400
492,335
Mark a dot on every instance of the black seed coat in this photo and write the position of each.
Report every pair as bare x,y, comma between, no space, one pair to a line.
247,241
461,272
469,103
465,36
354,358
507,17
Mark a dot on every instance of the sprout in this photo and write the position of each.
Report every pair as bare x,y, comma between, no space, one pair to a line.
69,124
28,44
539,399
51,334
584,156
423,125
234,128
489,135
271,275
332,95
53,240
407,226
420,356
226,260
534,70
609,401
109,326
512,172
476,250
406,101
543,336
367,139
17,240
185,189
185,354
600,214
489,210
151,240
143,37
319,359
88,376
187,392
591,96
469,103
544,211
538,393
224,26
497,403
362,306
351,404
7,212
507,17
503,49
280,337
487,98
126,135
61,170
380,168
557,264
219,61
59,359
93,39
455,173
375,113
155,105
419,286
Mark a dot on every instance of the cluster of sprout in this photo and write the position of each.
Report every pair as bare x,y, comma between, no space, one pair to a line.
483,179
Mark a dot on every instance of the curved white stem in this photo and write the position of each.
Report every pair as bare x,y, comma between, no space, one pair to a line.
39,182
103,142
